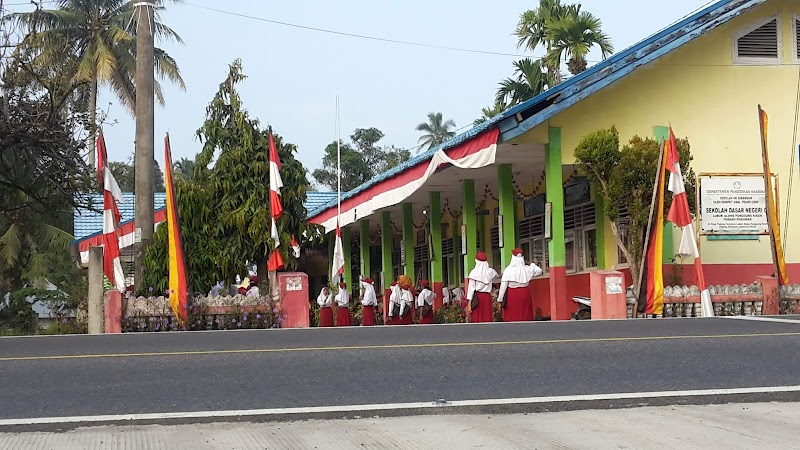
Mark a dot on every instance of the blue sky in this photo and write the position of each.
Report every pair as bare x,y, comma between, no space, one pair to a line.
295,75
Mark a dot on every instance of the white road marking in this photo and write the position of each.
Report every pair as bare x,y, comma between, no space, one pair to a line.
763,319
392,406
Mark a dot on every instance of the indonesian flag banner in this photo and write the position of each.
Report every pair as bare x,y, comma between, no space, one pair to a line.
680,215
275,261
112,267
178,278
337,268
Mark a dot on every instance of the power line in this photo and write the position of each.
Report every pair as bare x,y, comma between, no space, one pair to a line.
354,35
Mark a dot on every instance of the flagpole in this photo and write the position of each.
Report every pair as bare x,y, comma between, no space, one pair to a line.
338,166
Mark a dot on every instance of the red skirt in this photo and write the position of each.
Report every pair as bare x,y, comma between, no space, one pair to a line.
343,317
427,319
484,311
518,306
368,316
408,319
326,317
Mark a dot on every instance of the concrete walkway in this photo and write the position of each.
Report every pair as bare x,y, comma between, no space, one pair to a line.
733,426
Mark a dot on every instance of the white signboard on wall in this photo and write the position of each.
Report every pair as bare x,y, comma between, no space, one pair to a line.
733,204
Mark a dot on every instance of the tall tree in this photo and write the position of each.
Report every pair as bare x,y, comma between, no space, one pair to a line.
184,168
95,35
530,79
532,31
362,159
435,131
489,112
224,212
572,37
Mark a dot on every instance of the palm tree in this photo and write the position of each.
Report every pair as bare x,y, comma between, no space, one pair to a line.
572,36
489,112
532,30
96,35
530,79
436,130
184,168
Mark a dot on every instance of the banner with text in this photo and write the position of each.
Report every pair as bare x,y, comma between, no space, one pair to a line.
733,204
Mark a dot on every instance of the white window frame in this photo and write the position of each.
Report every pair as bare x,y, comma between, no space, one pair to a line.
752,61
795,43
571,236
585,247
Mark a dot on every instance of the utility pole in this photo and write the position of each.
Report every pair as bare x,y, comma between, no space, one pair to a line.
145,133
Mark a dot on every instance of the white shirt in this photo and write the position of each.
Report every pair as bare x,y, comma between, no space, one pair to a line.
343,298
480,279
253,292
517,275
445,295
394,298
425,296
406,300
325,301
369,298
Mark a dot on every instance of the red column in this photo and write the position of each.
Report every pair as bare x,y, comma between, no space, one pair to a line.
559,301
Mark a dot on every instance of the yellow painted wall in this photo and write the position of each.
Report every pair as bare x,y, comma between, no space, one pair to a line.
712,102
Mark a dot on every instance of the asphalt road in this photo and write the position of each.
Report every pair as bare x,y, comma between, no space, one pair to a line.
211,371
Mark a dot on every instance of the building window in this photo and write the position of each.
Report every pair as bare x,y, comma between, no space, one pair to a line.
532,241
589,246
580,237
759,43
622,229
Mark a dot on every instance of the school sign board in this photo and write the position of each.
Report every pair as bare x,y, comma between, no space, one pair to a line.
733,204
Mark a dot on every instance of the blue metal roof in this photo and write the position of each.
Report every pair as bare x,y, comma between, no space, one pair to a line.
315,199
89,222
566,94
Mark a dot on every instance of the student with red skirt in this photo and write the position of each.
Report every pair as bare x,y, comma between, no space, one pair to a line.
425,303
515,295
479,291
406,300
325,301
369,300
343,302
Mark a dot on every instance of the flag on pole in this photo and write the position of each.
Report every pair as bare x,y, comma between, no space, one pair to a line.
778,259
338,257
680,215
651,291
178,278
275,261
295,247
112,267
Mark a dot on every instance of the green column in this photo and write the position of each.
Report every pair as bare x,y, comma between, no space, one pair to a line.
470,222
661,134
347,246
386,249
560,305
506,209
555,196
435,215
600,230
366,271
408,240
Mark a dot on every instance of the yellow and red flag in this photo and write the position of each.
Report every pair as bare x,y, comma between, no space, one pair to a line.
651,291
778,258
178,279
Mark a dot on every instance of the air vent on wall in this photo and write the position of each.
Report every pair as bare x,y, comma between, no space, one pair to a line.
760,43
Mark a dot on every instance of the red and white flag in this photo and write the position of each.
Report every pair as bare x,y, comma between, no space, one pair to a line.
275,261
338,258
680,215
295,247
112,267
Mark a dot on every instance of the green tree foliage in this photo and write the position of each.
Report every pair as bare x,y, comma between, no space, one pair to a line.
530,79
225,219
94,39
573,36
625,178
435,131
361,160
124,174
183,168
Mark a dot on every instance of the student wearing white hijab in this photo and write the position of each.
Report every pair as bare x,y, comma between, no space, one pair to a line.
368,301
394,305
515,296
445,295
479,291
343,302
325,301
425,303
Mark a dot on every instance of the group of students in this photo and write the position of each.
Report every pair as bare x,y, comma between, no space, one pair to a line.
514,296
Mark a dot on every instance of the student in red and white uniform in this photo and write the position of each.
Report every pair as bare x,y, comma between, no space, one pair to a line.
406,300
393,315
325,301
425,303
343,302
515,296
479,291
369,300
